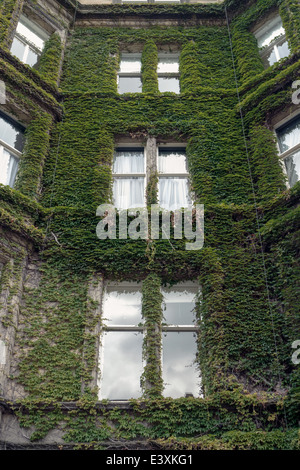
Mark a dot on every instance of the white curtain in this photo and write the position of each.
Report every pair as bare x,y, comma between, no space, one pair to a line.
292,164
172,162
173,193
12,170
128,161
289,136
128,193
8,167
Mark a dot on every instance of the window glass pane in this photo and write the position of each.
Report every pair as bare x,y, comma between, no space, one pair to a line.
283,50
128,192
170,84
179,370
121,365
122,306
173,193
130,85
8,167
289,136
171,161
130,63
11,134
167,63
179,305
273,31
270,58
129,161
32,58
30,35
292,164
18,49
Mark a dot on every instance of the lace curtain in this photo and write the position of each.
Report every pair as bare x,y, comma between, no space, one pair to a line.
8,167
129,192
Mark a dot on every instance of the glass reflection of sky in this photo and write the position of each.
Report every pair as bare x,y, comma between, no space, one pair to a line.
121,365
179,307
122,307
179,371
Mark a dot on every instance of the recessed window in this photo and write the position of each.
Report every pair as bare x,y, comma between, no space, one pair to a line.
168,72
272,42
121,351
289,145
129,177
173,181
129,75
11,147
122,340
29,41
179,342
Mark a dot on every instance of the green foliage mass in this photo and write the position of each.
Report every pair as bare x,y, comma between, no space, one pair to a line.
248,271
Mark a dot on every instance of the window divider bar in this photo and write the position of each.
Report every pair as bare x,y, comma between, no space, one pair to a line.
290,151
10,149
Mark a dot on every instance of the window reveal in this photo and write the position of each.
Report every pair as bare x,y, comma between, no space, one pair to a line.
289,145
121,356
11,147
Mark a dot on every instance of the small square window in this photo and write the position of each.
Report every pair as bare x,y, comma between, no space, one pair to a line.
29,41
129,75
272,42
11,147
289,145
168,72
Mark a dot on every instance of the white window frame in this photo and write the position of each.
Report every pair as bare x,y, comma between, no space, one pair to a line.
184,175
282,155
34,28
138,57
192,286
118,327
141,328
273,45
132,175
11,150
169,74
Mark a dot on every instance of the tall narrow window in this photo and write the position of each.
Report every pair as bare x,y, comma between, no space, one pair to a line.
179,349
29,41
289,145
129,76
168,72
129,178
173,184
272,42
121,352
11,147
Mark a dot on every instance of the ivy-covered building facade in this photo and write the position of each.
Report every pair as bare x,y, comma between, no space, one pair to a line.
115,333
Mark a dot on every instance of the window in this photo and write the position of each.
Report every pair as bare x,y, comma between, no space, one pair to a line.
11,146
129,76
133,166
168,72
173,187
179,344
121,352
129,178
122,341
28,42
289,146
272,42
